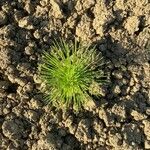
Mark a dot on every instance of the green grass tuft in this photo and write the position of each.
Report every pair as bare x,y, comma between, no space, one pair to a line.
68,70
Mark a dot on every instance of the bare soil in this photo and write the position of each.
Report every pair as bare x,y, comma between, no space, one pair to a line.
120,119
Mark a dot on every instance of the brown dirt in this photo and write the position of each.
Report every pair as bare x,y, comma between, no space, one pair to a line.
120,120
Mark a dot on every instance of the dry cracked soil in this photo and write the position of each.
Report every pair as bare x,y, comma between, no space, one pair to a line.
120,119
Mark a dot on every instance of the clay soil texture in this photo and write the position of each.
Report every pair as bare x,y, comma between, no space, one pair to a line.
120,119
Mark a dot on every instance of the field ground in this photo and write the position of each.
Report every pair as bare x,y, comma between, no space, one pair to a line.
120,119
